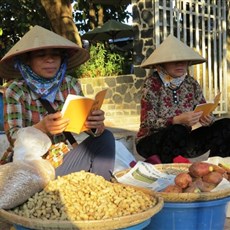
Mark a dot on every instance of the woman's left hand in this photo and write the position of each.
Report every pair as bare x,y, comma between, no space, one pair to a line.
206,120
96,121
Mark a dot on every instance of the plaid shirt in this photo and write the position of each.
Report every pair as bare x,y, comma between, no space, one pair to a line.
22,107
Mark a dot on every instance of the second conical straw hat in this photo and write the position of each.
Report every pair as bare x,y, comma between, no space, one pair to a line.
170,50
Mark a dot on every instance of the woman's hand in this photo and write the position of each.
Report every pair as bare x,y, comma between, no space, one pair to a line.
206,120
52,123
187,118
96,121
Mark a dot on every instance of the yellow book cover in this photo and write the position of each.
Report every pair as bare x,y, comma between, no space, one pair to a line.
208,107
77,109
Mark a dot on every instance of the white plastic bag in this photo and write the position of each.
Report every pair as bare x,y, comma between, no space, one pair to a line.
123,157
21,180
30,144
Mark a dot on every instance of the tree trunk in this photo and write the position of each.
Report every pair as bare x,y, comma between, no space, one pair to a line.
92,16
59,13
100,16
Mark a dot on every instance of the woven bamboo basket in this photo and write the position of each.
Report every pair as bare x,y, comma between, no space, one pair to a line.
106,224
183,197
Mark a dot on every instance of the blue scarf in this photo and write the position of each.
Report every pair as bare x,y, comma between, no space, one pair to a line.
45,88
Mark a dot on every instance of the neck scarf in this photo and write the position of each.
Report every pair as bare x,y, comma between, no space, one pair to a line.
45,88
168,80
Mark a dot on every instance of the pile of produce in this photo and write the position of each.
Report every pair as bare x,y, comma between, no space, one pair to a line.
85,196
201,177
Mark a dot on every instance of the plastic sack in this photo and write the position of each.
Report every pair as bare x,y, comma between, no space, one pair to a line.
123,157
21,180
30,144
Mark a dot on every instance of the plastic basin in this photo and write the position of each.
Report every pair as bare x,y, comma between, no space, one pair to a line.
140,226
204,215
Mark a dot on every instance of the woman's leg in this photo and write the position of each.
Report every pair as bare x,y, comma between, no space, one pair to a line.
178,140
220,140
214,138
167,143
94,154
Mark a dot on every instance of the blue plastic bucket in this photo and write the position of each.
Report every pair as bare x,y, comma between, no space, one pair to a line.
1,113
205,215
140,226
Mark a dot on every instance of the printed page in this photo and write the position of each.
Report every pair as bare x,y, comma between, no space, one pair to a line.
208,107
77,109
99,98
98,101
146,175
77,112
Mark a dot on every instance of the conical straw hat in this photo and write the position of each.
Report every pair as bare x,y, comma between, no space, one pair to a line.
170,50
40,38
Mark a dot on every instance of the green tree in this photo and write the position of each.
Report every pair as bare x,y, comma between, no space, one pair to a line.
16,18
18,15
92,15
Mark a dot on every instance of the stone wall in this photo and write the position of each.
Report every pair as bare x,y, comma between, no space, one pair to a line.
144,29
122,102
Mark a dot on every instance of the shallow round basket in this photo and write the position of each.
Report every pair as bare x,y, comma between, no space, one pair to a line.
105,224
183,197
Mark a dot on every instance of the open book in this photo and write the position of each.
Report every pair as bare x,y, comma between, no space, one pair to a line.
77,109
208,107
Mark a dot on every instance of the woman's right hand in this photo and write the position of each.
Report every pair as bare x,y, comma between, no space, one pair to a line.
52,123
187,118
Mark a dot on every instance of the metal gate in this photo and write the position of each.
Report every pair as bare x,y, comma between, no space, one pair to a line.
202,25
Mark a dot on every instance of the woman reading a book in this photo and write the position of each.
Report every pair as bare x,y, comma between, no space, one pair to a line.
39,63
169,96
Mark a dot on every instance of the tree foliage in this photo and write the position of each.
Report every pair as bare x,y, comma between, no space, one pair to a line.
93,15
18,15
16,18
102,62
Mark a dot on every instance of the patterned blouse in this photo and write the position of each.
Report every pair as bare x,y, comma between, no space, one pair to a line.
22,107
159,104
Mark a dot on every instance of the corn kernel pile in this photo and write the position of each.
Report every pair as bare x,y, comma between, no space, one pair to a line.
84,196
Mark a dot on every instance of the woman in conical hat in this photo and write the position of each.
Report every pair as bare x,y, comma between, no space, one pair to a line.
39,62
169,97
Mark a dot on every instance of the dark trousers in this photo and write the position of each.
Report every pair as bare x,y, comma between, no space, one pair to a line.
94,154
176,140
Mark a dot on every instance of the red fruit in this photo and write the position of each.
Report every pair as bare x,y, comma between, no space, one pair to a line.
183,180
226,167
219,169
192,188
199,169
172,188
213,177
204,186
